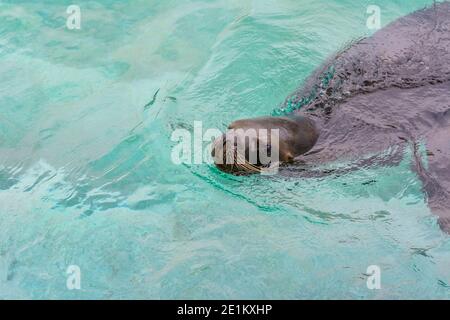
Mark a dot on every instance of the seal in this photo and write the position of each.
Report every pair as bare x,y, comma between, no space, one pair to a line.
296,136
367,103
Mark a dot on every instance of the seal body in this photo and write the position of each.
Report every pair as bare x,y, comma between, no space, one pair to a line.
387,92
384,93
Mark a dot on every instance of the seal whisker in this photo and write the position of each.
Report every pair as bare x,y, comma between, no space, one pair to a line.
247,165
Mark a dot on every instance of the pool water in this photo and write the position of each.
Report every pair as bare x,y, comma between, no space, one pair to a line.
87,178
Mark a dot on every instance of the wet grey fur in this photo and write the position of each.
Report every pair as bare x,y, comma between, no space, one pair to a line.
388,91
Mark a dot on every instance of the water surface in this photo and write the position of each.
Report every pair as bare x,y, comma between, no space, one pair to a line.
86,176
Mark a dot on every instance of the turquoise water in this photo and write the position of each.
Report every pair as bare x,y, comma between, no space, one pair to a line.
86,176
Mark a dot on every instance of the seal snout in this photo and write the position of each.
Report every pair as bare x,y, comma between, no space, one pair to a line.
237,153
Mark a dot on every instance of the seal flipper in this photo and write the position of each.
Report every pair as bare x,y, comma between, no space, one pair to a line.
436,176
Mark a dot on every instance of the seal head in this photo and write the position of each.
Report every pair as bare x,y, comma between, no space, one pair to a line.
250,145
